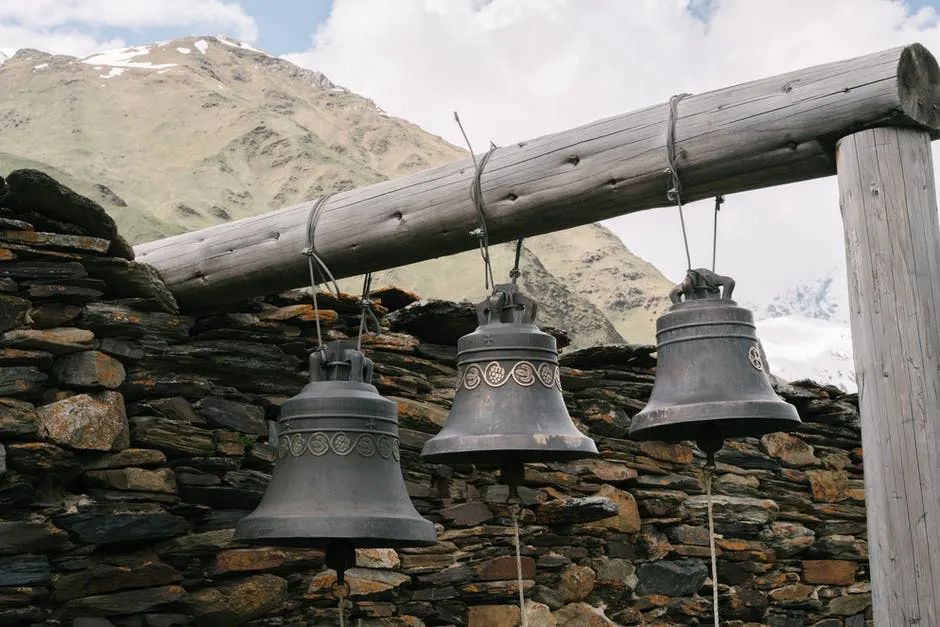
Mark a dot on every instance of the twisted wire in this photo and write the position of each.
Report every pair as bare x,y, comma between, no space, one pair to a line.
674,184
313,258
476,196
514,273
367,313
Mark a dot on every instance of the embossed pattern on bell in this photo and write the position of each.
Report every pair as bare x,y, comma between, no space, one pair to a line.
495,374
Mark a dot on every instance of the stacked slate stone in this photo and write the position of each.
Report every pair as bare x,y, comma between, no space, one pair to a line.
133,437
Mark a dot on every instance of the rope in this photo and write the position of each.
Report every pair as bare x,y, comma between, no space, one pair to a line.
341,593
312,257
476,195
709,473
515,523
514,273
719,199
674,185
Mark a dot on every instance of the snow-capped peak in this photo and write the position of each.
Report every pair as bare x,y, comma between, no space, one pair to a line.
822,298
805,331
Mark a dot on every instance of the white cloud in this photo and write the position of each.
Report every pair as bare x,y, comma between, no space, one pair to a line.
517,69
69,26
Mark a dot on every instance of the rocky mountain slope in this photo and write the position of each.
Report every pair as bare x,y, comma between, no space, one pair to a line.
180,135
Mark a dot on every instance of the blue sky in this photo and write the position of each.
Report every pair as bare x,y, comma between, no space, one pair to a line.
283,25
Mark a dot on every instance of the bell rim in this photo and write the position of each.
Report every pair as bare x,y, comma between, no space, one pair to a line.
318,531
742,418
494,450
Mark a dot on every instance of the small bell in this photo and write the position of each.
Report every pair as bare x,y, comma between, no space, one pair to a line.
508,408
712,379
337,483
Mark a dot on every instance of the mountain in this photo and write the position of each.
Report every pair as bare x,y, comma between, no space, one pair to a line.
805,331
179,135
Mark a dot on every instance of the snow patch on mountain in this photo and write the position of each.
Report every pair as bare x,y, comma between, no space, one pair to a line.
798,347
123,58
805,331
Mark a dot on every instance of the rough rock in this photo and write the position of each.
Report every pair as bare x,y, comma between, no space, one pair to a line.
126,602
627,519
577,582
830,572
576,510
27,536
238,603
122,523
675,579
134,479
789,449
89,369
58,341
582,615
87,422
14,312
24,570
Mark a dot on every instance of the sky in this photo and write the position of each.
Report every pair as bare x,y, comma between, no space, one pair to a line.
518,69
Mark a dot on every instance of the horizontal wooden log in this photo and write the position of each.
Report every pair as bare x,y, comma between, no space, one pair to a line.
758,134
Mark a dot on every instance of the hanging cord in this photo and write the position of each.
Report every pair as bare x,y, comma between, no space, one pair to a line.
709,475
367,313
514,273
476,195
674,185
341,592
316,264
514,510
719,199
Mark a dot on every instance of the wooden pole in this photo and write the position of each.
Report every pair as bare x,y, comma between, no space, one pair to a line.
892,241
767,132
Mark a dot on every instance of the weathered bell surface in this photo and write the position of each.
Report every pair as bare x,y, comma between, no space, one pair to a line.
508,407
712,380
337,481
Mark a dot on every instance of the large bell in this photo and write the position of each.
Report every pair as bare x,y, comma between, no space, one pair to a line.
337,483
712,380
508,407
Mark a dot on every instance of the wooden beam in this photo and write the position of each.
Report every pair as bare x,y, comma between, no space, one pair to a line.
767,132
892,240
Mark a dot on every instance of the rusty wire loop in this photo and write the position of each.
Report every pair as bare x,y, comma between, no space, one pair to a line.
341,593
719,199
313,258
514,274
476,195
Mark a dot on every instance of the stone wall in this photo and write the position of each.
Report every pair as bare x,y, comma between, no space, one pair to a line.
132,438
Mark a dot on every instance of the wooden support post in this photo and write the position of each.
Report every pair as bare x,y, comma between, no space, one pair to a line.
892,241
767,132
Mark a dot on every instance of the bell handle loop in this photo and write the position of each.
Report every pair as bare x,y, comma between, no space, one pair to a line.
700,283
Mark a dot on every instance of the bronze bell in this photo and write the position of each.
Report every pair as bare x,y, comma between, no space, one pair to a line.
712,380
508,407
337,482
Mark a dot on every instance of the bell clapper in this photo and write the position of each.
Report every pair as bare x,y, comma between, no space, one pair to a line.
340,556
